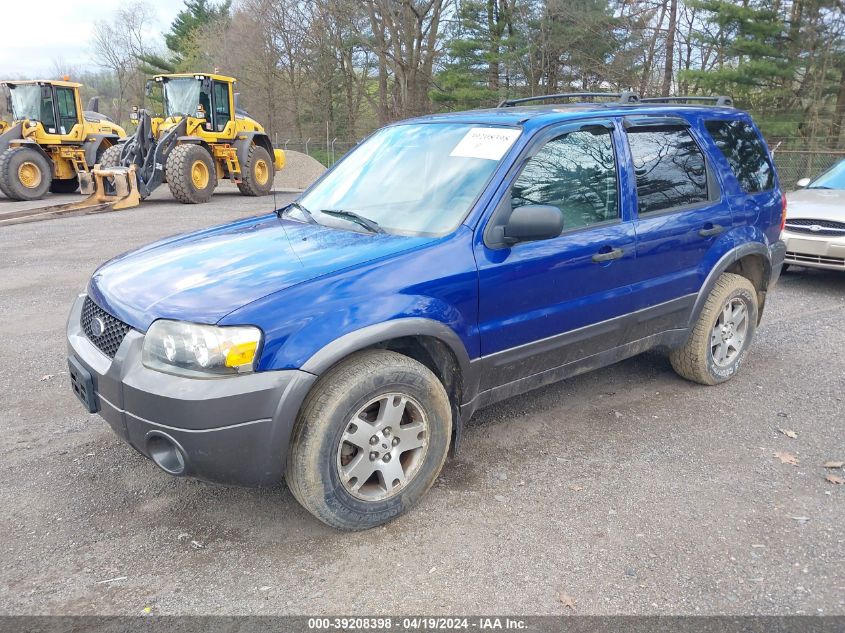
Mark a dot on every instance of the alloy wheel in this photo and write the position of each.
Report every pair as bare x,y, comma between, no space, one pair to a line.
382,447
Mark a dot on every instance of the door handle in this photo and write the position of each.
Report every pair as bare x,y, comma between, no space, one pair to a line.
712,230
607,256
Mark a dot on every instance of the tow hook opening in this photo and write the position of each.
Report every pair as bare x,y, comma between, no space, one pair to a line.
166,453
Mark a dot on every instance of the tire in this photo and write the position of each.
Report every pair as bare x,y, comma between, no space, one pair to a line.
191,174
720,340
25,174
258,172
64,185
110,157
323,443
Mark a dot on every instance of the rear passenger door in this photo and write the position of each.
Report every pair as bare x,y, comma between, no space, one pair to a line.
680,215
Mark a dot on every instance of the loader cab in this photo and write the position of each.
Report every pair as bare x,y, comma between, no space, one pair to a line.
206,97
55,106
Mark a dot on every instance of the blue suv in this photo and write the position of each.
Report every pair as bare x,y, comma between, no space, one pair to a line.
446,263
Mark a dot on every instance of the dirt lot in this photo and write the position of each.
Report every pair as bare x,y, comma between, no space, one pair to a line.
628,489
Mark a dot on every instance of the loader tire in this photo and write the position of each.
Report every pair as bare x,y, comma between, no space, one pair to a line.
64,185
25,174
191,174
258,172
110,157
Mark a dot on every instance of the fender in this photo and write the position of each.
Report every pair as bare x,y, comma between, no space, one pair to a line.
13,133
92,145
191,140
33,145
725,262
245,139
372,335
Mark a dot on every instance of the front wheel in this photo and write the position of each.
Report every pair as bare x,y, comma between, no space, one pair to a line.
722,334
370,440
191,173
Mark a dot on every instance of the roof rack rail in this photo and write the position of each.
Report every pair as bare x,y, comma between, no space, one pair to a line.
621,97
720,100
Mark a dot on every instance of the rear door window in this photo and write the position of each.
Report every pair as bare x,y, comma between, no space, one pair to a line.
744,150
670,168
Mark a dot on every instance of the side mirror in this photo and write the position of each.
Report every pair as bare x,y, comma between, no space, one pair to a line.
533,222
133,115
803,183
148,87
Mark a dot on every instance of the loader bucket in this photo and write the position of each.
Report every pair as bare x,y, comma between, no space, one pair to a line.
116,186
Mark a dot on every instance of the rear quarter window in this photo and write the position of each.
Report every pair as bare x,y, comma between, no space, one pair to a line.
744,150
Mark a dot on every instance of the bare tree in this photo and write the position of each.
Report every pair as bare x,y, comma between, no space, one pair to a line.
117,44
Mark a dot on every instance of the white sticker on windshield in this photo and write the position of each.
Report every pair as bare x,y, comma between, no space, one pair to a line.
490,143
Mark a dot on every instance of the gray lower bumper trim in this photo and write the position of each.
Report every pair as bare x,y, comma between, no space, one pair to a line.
230,430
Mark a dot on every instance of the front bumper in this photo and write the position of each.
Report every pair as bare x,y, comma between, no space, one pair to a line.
232,430
822,251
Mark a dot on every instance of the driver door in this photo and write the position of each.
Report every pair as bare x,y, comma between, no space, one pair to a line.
547,303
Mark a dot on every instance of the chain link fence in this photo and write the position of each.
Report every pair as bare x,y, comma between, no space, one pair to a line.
793,164
328,153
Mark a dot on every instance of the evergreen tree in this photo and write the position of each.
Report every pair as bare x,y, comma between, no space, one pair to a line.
754,66
195,15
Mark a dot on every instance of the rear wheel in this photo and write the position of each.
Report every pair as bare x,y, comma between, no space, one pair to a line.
258,172
722,334
370,440
191,174
25,173
64,185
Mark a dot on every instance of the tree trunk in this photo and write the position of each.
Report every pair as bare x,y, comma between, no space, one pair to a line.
670,48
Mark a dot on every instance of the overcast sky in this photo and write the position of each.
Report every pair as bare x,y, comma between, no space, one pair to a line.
42,32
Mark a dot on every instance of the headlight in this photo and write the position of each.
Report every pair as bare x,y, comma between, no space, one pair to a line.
201,351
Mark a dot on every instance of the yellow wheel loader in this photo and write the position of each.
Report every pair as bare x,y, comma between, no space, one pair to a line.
202,137
51,143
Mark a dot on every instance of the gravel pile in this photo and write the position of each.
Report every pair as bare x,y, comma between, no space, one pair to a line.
299,172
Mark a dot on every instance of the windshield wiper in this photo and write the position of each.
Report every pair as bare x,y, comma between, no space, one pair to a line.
371,225
308,215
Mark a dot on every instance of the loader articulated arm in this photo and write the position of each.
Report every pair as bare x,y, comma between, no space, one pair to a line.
148,154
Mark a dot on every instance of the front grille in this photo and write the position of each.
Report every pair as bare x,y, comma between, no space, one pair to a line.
800,258
816,227
113,329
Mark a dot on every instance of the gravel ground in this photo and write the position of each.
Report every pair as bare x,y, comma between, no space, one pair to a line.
628,489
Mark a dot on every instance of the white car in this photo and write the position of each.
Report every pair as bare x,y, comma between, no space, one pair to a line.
815,221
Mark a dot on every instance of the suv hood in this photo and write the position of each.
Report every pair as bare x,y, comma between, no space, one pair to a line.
816,204
203,276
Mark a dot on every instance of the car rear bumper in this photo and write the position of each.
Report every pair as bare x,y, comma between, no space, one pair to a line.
232,430
777,252
821,251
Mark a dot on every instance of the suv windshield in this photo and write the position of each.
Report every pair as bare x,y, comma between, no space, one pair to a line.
833,178
181,96
26,102
413,179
